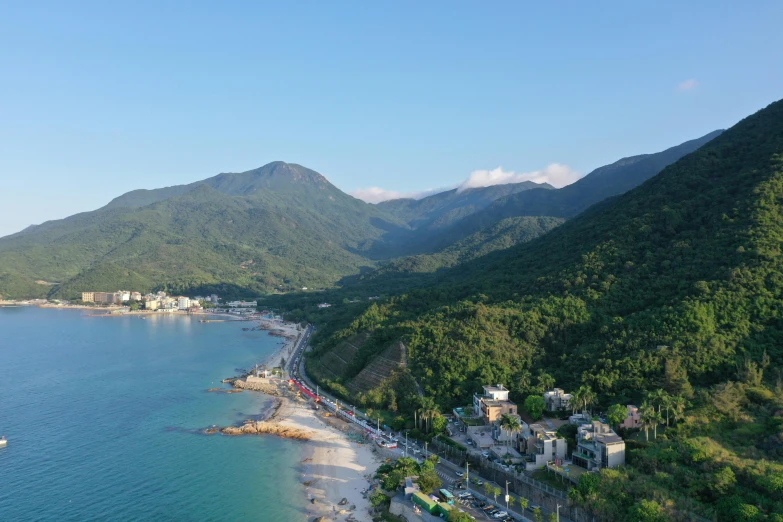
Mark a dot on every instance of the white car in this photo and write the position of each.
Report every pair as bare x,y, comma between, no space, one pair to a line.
500,514
460,473
485,454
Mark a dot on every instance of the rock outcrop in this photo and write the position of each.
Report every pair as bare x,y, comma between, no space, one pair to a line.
266,387
267,428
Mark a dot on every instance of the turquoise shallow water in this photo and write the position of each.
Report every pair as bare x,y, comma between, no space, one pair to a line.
102,417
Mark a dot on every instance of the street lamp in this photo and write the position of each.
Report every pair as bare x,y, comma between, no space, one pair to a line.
507,495
558,512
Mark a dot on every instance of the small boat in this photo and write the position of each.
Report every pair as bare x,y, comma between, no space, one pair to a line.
3,442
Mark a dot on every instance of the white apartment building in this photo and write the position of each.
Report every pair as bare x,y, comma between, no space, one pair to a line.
183,303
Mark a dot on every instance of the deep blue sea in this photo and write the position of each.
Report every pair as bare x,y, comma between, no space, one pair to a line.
103,417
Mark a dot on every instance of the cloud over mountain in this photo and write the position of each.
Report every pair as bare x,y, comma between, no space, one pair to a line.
555,174
378,194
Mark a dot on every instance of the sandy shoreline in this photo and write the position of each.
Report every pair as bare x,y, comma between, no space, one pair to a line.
333,467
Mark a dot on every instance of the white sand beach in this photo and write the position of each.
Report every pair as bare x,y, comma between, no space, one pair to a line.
334,468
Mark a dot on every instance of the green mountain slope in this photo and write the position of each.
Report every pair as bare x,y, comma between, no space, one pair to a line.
280,226
604,182
444,208
674,284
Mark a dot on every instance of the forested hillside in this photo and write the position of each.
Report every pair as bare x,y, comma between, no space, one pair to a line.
675,284
279,227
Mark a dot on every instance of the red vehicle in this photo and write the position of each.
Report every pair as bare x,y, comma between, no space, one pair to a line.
349,412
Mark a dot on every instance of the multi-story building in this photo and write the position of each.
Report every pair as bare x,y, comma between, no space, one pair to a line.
244,304
541,445
493,404
597,446
633,418
151,304
88,297
105,298
136,296
557,399
183,303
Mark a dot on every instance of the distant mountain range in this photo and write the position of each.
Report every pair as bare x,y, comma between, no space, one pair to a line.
282,227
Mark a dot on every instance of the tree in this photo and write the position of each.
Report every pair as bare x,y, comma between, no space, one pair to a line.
459,516
675,379
588,396
538,516
616,415
534,406
439,424
576,400
678,405
510,424
553,517
648,417
429,481
723,481
546,381
523,503
659,398
378,499
398,423
647,511
495,492
488,488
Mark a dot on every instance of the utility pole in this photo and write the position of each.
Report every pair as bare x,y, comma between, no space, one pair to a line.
558,512
507,495
467,475
406,443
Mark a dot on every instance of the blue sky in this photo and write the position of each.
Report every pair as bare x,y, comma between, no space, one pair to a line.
99,99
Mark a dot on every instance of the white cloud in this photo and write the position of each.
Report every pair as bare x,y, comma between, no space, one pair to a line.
687,85
378,194
555,174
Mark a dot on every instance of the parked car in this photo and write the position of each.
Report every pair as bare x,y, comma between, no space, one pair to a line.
460,473
500,514
485,454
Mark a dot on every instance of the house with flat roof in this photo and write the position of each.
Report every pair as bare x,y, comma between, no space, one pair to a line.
557,399
541,445
598,446
493,404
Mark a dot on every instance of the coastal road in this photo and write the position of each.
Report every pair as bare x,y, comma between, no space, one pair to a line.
447,471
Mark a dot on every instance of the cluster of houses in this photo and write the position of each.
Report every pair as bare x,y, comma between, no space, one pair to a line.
159,301
535,445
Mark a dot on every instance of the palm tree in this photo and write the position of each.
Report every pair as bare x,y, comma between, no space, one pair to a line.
576,399
648,417
510,424
546,381
657,398
523,502
678,405
588,396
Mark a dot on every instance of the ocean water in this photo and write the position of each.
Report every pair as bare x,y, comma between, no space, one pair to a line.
103,418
